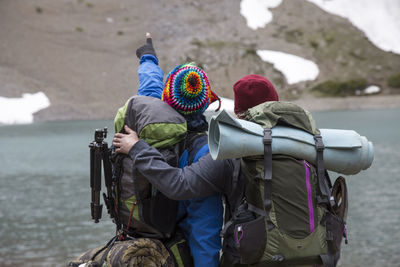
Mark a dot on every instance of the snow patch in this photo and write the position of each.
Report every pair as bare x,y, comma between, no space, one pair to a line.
379,20
373,89
294,68
370,90
256,12
21,110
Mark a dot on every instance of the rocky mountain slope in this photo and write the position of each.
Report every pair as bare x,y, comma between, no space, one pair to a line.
81,53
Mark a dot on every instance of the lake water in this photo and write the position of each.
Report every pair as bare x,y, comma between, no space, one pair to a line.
45,194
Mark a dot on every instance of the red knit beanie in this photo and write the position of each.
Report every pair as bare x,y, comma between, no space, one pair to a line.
252,90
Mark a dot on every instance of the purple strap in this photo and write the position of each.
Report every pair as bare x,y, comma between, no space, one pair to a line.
239,238
309,197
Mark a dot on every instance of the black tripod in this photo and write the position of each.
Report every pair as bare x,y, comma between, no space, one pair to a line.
99,152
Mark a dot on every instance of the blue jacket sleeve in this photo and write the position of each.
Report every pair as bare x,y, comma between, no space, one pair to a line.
150,77
203,222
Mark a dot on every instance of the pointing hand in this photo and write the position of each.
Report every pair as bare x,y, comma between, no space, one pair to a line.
146,49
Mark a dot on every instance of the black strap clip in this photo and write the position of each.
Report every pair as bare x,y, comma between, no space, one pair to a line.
319,144
267,139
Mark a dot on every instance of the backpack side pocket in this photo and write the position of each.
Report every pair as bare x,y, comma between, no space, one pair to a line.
250,240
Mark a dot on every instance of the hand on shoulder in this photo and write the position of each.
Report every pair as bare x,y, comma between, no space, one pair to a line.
124,142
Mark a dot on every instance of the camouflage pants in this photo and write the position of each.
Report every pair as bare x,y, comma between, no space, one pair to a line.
129,253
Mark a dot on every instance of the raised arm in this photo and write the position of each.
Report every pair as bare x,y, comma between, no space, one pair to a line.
150,74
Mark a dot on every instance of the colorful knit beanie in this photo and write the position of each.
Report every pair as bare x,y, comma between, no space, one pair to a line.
187,90
252,90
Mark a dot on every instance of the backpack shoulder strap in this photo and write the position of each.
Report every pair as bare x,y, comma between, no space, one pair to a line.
199,148
195,146
113,202
237,189
267,140
324,195
235,197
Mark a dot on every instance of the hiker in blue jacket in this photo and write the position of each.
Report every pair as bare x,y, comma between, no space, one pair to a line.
199,218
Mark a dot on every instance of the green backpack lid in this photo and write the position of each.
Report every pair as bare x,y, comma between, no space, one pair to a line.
154,120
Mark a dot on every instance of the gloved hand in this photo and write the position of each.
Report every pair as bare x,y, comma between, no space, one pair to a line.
146,49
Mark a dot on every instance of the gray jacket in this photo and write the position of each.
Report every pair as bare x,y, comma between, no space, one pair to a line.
201,179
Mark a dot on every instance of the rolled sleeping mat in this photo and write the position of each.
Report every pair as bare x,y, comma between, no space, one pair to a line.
345,150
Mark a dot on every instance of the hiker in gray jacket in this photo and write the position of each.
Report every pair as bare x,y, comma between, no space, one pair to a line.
205,177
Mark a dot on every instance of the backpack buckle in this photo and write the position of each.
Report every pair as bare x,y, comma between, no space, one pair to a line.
319,144
332,201
267,139
329,235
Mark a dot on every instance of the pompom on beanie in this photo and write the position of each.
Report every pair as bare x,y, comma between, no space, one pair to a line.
187,90
251,91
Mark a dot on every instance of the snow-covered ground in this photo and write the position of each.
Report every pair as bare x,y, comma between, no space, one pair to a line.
257,12
295,69
378,19
21,110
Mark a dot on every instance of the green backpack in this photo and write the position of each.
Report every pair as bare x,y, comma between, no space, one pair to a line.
285,214
140,210
145,218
